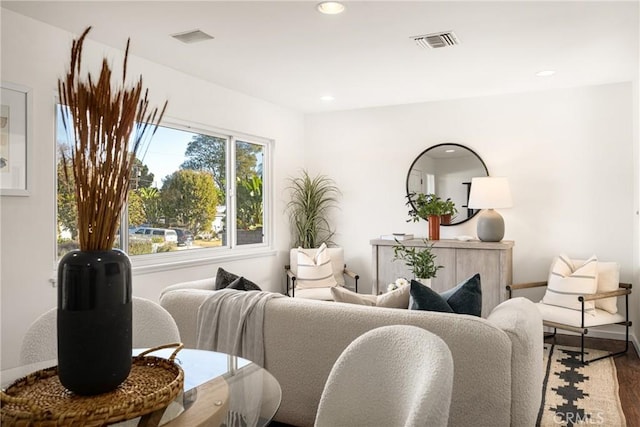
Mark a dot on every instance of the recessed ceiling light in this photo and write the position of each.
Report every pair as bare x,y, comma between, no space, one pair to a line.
545,73
330,7
327,98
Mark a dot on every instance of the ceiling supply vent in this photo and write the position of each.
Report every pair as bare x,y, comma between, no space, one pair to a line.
192,36
435,40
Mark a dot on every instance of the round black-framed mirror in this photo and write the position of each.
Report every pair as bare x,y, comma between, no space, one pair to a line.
446,171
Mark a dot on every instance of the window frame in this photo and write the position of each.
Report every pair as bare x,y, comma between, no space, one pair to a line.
157,262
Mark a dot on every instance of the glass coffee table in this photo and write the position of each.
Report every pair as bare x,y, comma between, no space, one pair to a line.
219,390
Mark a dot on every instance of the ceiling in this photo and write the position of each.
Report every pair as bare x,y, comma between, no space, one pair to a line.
289,54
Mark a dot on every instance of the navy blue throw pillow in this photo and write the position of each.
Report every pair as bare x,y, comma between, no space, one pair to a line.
243,284
424,298
465,298
224,278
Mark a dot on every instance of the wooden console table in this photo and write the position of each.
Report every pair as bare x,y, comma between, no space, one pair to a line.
493,260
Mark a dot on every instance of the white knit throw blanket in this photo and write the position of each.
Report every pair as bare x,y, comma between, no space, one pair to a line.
231,322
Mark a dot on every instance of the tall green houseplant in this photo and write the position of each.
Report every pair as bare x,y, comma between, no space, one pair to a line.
311,200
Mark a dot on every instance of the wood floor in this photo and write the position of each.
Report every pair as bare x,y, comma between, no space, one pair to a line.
628,367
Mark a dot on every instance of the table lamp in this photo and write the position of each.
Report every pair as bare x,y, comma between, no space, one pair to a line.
489,193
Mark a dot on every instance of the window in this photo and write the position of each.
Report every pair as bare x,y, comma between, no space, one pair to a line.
190,191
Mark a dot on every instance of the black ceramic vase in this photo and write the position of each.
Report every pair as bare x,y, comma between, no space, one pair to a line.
94,320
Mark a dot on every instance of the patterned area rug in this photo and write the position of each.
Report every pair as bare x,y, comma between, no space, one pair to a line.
574,394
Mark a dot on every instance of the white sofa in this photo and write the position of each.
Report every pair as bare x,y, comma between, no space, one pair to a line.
497,361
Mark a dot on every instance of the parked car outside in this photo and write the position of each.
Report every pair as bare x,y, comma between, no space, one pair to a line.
185,237
167,235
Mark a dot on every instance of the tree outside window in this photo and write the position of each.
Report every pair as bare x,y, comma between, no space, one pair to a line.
181,183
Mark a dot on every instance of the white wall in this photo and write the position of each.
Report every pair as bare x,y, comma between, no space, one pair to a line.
634,311
568,155
35,55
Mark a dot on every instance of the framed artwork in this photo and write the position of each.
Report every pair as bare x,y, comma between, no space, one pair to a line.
15,139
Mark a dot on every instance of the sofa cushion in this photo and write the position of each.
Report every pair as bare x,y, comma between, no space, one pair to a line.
465,298
315,271
243,284
398,298
568,280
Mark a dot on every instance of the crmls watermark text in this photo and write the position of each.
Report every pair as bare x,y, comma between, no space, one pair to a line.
587,418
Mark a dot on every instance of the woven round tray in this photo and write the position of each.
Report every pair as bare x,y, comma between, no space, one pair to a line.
40,399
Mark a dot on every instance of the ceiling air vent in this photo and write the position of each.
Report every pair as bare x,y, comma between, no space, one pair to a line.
435,40
192,36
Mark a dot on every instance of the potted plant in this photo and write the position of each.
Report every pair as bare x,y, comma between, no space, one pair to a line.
421,261
108,124
428,207
311,200
448,211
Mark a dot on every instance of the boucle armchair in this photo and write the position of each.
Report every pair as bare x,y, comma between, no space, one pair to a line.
580,295
152,326
340,271
410,384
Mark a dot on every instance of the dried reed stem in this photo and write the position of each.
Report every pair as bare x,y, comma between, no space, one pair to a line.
104,149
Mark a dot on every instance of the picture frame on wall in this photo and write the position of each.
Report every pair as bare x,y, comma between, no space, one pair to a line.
15,139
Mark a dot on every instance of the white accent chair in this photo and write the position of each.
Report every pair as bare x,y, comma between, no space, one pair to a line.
579,321
340,271
390,376
152,326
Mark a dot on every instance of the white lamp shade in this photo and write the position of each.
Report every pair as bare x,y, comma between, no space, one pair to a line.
490,192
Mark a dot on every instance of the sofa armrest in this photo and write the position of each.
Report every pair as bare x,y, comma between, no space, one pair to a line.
208,284
520,319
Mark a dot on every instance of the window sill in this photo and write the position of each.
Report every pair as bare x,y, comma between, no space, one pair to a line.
155,263
146,264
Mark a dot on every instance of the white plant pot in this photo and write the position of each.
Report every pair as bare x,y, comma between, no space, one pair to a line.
426,282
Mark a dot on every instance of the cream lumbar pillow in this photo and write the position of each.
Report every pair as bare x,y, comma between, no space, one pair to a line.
608,280
398,298
315,271
568,280
341,294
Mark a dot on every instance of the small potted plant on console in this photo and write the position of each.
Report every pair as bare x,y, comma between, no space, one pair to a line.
421,261
428,207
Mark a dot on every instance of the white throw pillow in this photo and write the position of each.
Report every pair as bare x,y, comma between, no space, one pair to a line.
316,271
608,280
398,298
568,280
